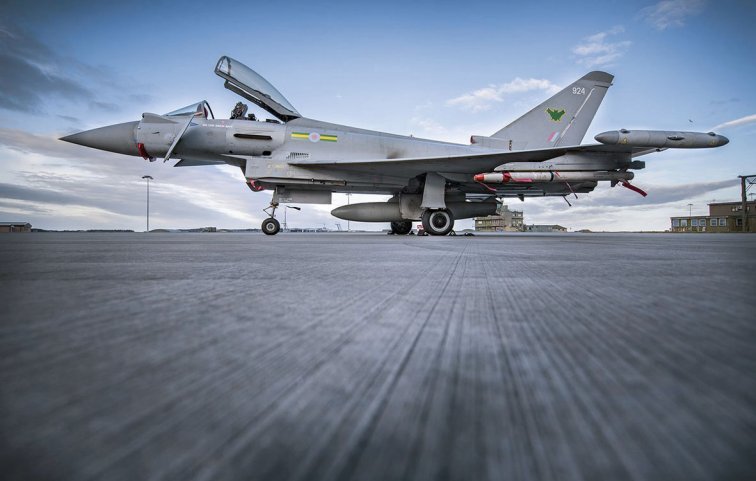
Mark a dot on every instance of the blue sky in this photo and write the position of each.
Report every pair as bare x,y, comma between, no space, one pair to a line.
431,69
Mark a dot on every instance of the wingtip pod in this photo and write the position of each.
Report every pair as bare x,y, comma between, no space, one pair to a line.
662,139
610,138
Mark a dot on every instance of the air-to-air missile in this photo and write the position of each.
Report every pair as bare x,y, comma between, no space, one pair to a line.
527,177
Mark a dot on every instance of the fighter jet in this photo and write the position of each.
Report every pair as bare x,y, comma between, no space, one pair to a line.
302,160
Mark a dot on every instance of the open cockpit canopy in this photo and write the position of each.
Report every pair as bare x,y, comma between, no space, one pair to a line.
250,85
200,109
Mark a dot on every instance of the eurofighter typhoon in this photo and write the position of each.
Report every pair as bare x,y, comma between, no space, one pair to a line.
304,161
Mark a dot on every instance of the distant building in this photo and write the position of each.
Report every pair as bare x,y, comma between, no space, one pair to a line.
15,227
504,220
723,217
545,228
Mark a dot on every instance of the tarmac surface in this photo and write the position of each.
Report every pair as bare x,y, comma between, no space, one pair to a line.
374,357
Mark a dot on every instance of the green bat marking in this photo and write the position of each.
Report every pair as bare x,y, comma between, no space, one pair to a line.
556,115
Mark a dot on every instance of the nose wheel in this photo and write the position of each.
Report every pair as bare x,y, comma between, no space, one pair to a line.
270,226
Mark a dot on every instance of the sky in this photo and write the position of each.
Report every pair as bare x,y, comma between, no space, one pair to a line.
437,70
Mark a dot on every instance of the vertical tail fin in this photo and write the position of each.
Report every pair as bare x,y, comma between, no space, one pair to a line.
563,119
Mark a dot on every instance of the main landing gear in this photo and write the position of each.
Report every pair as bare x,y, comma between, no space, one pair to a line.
438,222
270,226
401,228
435,222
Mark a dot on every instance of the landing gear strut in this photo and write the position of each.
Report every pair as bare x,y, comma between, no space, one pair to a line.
438,222
402,227
270,226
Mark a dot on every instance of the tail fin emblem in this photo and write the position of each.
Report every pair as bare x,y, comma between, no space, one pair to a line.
556,115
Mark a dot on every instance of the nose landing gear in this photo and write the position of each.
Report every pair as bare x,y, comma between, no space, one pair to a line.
270,226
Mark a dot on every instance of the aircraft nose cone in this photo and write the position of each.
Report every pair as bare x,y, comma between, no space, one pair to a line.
119,138
723,140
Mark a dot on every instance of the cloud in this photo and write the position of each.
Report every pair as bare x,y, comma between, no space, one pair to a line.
34,73
118,201
20,192
482,99
657,195
427,125
734,123
671,13
596,50
70,119
663,194
49,146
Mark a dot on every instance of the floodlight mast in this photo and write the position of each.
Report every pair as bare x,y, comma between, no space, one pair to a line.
749,180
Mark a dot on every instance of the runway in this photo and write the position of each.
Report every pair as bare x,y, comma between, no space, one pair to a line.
374,357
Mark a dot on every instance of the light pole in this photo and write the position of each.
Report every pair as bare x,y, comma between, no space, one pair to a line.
746,182
288,207
148,179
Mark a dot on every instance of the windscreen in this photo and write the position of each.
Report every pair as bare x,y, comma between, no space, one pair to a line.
200,109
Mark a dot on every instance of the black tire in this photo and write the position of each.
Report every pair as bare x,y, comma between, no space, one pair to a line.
401,227
438,222
270,226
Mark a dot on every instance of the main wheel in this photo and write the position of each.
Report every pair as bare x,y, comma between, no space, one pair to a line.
270,226
401,227
438,222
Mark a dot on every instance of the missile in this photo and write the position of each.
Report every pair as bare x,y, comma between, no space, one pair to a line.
548,176
662,139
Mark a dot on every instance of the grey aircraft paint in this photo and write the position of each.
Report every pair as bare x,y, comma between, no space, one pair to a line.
303,160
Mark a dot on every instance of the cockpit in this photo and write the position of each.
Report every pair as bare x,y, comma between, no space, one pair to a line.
244,81
203,110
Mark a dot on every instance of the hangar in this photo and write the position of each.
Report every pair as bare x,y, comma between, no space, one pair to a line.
15,227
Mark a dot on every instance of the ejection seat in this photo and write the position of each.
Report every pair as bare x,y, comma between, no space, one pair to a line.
240,110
